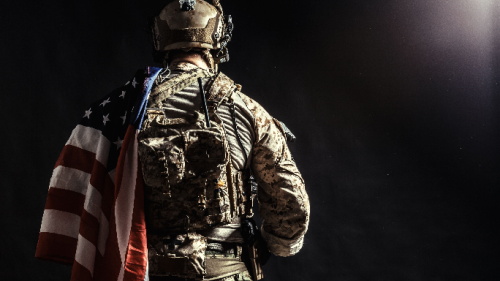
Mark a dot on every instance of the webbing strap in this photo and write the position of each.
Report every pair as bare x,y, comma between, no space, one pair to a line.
221,88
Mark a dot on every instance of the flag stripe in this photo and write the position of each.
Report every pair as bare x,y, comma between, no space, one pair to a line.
126,189
93,201
77,158
56,247
89,227
70,179
80,273
85,254
111,263
103,234
65,200
91,140
136,263
108,198
99,176
59,222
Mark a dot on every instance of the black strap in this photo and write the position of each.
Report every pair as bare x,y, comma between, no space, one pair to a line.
204,101
238,135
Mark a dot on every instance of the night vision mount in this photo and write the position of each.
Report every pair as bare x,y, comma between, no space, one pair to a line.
187,5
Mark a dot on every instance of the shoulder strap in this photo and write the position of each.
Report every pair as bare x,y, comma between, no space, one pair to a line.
174,85
221,88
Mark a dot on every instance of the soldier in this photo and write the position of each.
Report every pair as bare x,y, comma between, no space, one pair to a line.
203,148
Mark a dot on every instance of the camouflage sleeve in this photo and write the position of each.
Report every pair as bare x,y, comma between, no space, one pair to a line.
283,201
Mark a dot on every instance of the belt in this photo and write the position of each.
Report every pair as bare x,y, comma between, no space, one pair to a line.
216,268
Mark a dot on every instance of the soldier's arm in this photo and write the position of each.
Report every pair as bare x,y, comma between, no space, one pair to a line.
283,201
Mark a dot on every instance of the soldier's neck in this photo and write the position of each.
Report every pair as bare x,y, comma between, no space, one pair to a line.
196,60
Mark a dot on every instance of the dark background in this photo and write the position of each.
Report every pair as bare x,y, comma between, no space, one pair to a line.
395,104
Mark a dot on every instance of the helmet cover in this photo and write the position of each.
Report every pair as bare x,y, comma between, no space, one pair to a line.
186,24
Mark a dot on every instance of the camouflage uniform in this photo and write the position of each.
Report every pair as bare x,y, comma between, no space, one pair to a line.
283,201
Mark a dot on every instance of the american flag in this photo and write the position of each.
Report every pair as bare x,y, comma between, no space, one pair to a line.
94,215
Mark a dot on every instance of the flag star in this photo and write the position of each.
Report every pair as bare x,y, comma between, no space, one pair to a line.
105,102
128,82
87,113
134,83
105,119
118,143
123,94
124,117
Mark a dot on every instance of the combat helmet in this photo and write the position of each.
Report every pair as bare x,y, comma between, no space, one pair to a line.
192,24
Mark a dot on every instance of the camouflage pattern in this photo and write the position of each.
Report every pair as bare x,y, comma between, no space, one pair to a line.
196,251
192,186
283,201
244,276
221,89
202,27
190,246
184,167
187,168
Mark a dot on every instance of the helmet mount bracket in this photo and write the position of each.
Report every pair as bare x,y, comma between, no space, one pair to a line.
187,5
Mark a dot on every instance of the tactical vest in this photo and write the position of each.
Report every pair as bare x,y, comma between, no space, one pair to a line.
187,164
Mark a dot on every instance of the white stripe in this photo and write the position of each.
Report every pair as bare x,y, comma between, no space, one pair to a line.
70,179
93,201
103,233
125,201
85,254
122,274
60,222
92,140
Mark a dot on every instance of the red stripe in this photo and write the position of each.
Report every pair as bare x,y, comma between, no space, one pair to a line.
108,197
98,176
129,137
109,268
77,158
80,273
136,261
65,200
89,227
98,269
56,248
